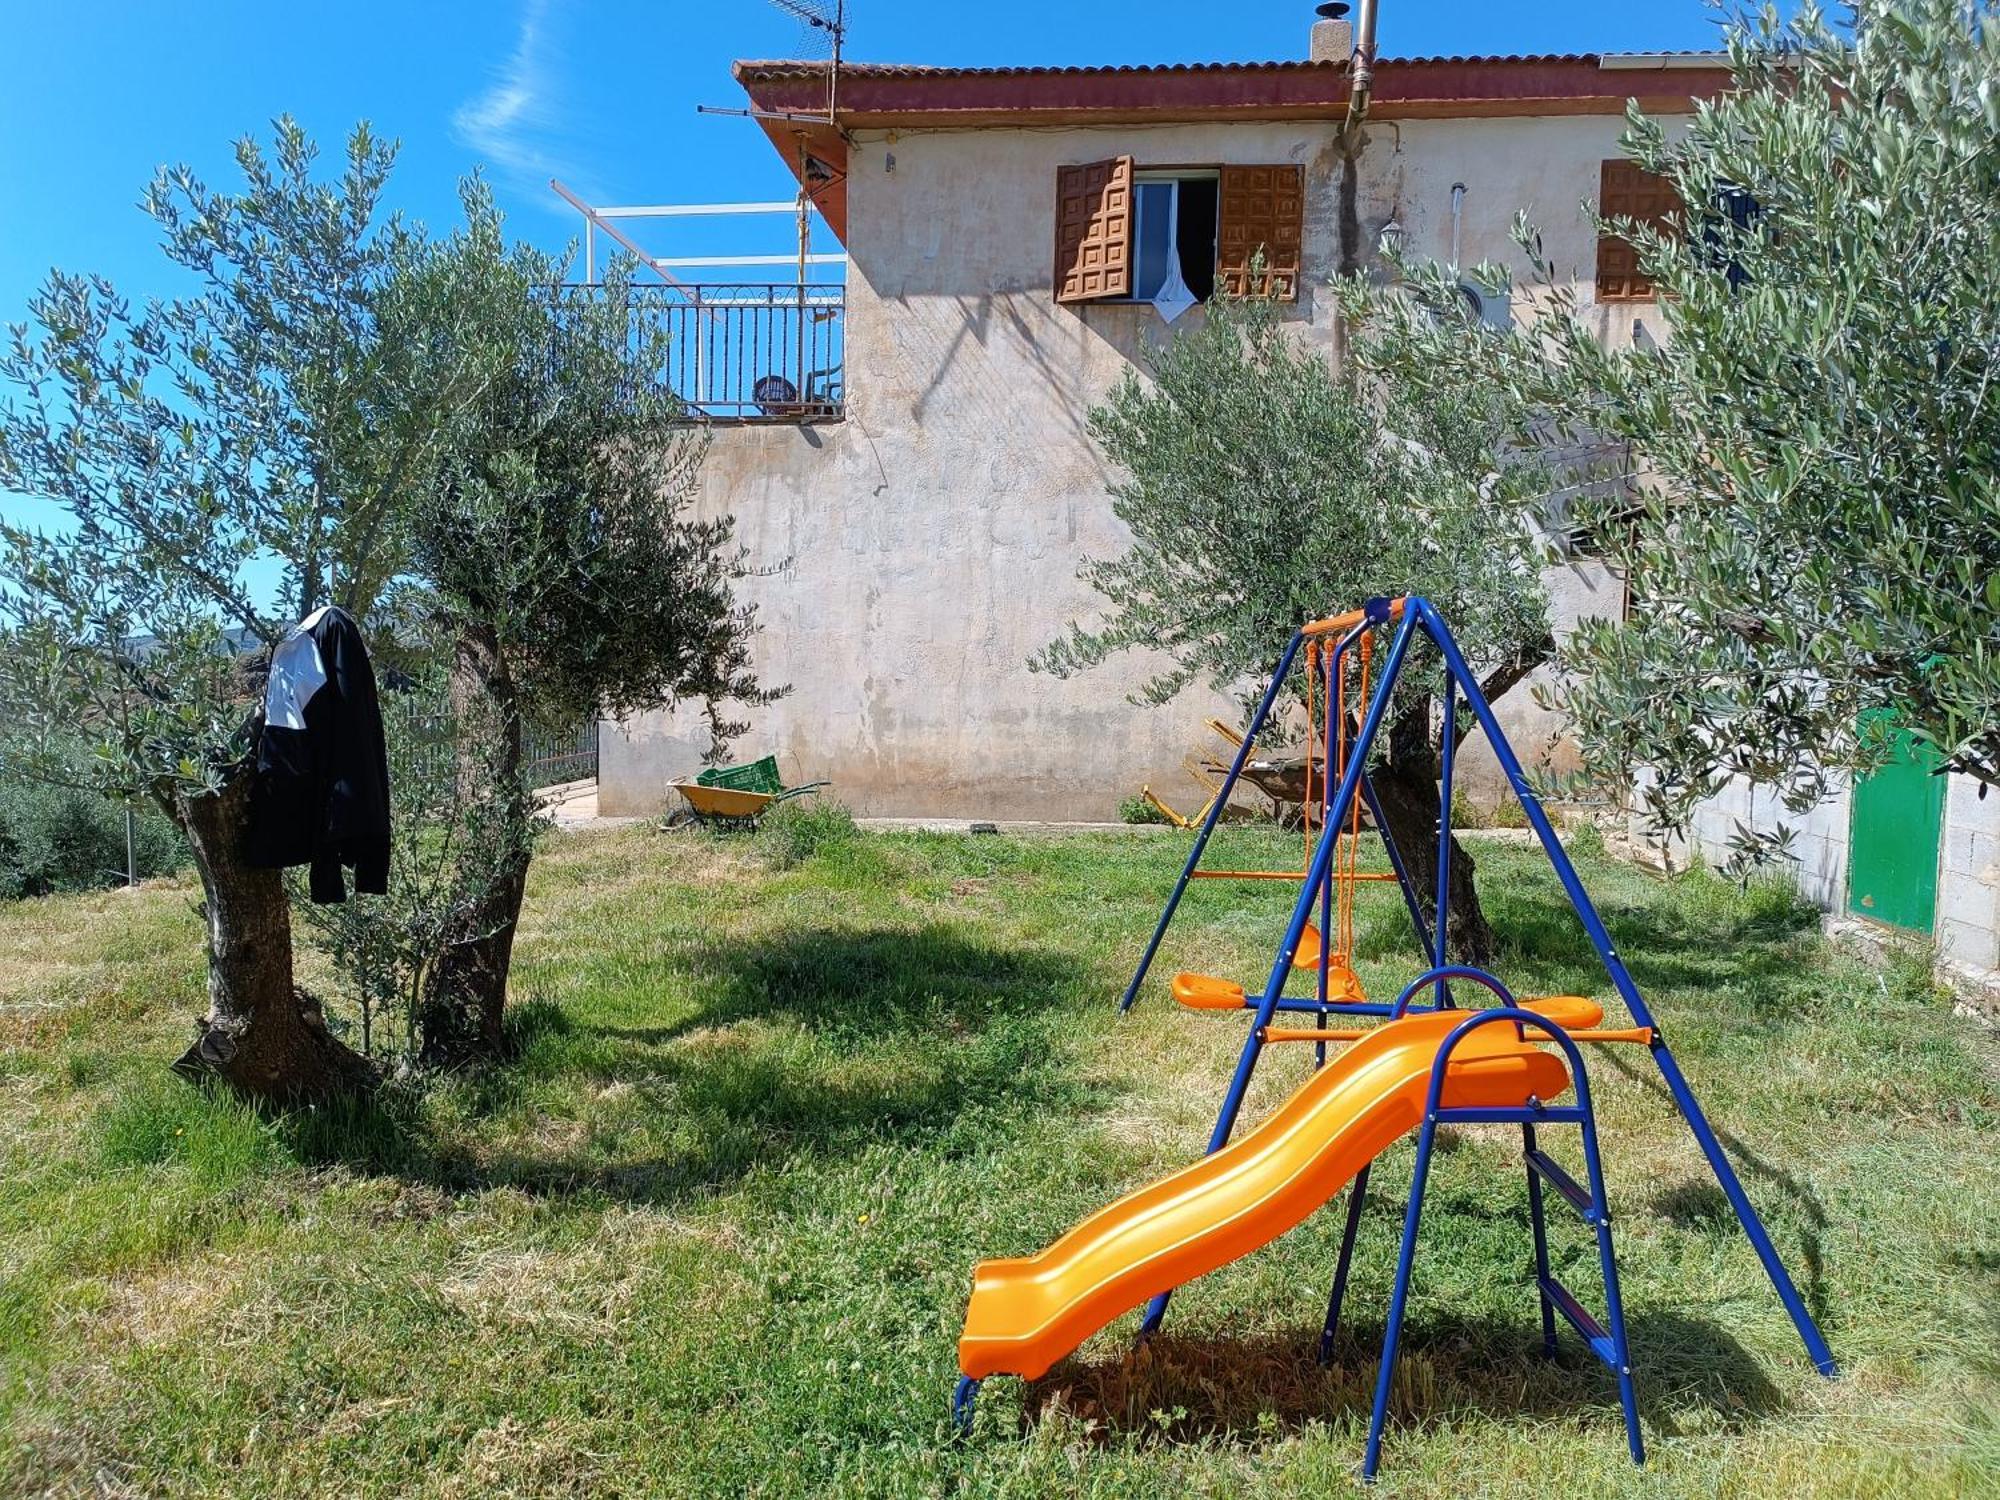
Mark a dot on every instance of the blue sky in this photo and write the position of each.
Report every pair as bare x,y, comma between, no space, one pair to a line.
598,92
601,93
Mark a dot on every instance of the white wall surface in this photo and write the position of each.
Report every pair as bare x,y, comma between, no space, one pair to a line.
930,542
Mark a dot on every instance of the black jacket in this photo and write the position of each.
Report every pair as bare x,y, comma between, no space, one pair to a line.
321,796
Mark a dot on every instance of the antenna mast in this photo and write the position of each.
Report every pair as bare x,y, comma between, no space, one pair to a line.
826,25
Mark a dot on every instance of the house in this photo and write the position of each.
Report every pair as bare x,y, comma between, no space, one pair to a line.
1014,238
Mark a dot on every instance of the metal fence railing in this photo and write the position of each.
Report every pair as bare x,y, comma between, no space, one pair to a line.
555,756
423,738
743,351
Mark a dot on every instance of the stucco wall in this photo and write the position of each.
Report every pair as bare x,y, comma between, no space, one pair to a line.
1547,167
930,542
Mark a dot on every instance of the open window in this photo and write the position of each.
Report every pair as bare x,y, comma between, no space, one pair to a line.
1734,218
1172,235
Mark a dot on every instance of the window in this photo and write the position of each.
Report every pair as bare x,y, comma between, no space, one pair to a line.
1735,218
1176,222
1121,231
1628,191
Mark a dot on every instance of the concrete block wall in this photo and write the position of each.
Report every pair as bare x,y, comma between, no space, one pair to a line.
1819,836
1968,926
1967,929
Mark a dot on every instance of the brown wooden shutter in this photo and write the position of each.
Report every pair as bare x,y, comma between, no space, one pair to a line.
1094,230
1627,190
1262,209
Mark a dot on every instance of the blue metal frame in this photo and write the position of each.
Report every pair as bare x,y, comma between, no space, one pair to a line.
1419,613
1606,1341
963,1395
1288,946
1621,979
1609,1343
1242,758
1215,807
1441,910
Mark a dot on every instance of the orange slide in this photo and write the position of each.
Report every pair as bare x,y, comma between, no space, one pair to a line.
1026,1314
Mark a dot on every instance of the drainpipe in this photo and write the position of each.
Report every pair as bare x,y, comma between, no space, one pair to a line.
1361,69
1360,86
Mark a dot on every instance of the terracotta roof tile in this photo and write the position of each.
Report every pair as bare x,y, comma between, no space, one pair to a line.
775,68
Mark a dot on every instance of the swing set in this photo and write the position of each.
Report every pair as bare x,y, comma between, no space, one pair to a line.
1420,1066
1328,667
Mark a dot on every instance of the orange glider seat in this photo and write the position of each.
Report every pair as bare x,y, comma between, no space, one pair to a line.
1571,1012
1206,992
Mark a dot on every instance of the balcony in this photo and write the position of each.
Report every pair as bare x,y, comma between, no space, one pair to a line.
742,352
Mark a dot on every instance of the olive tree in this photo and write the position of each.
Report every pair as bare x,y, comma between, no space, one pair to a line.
1262,489
271,416
1815,554
558,556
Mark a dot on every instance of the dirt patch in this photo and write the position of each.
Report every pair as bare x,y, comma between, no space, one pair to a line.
518,1458
159,1307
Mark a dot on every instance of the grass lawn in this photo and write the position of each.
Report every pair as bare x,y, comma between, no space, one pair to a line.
712,1233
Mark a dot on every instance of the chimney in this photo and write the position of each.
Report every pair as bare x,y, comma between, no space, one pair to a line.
1332,34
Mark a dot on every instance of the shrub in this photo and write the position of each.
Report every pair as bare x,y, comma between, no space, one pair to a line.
796,831
59,839
1585,841
1139,810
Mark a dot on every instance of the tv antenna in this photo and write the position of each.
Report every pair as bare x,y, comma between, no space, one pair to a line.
822,33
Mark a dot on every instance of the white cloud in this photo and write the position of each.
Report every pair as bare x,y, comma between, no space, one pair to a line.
510,123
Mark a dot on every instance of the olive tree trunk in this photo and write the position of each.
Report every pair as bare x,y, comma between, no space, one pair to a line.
462,1012
262,1035
1406,785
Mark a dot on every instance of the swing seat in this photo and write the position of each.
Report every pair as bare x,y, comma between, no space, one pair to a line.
1206,992
1310,944
1343,985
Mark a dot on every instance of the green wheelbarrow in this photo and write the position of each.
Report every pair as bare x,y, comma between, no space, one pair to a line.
739,794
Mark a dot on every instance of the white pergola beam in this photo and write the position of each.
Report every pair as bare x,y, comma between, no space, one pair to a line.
746,260
691,210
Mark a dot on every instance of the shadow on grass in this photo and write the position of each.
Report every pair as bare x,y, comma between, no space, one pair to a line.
1193,1389
1543,944
1701,1203
1685,943
882,1034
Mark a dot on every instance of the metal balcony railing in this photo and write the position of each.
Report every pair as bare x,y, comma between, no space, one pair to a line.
742,351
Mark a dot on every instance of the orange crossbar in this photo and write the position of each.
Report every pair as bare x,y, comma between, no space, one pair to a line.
1638,1035
1293,1034
1280,875
1341,624
1641,1036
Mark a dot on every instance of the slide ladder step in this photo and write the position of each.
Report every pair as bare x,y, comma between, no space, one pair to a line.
1580,1318
1574,1192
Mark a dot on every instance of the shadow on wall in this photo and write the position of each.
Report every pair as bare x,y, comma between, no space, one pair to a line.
1022,364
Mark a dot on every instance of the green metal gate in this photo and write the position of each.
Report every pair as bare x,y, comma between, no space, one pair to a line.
1896,818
